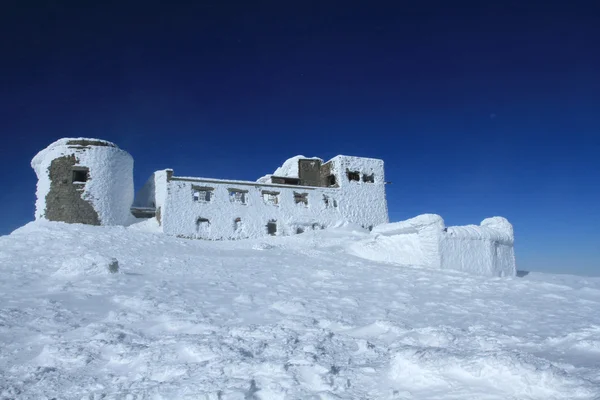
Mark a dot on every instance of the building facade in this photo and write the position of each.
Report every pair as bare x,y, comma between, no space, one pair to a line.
311,195
90,181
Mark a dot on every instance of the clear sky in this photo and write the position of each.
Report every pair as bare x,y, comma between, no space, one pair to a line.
478,109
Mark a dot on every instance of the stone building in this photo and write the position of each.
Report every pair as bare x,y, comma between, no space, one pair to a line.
87,181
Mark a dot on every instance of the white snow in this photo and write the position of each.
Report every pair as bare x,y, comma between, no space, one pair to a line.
288,169
110,185
295,317
424,240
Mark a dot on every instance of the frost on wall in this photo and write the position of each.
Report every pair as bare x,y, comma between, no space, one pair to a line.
82,180
215,209
486,249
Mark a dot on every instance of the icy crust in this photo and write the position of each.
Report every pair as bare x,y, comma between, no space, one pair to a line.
110,185
486,249
279,318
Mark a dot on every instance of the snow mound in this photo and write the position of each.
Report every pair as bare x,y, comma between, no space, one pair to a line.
88,264
512,375
485,249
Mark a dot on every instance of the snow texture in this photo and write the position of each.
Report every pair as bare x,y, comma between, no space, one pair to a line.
186,209
110,185
295,317
424,240
289,169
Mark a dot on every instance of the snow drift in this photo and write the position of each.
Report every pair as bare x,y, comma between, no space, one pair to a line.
292,317
486,249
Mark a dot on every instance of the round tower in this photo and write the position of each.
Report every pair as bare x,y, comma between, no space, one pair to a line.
87,181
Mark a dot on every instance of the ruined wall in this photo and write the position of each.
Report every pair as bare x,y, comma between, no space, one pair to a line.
64,201
309,172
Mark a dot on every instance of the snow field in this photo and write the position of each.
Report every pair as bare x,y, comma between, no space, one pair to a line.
278,317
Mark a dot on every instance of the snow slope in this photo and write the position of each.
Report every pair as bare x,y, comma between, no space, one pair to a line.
280,317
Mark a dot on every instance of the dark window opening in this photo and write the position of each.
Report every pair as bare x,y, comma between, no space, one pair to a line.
237,196
353,176
283,180
272,227
301,198
331,180
326,200
369,178
80,175
299,230
201,195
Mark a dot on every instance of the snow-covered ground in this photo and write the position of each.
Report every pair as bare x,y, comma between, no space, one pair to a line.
295,317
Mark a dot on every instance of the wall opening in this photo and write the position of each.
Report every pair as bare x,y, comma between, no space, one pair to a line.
284,180
202,194
237,225
331,180
326,201
238,196
301,198
202,228
299,230
272,227
353,175
368,178
270,197
80,175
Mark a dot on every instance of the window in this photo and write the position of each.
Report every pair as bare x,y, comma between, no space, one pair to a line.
326,201
335,204
271,197
331,180
368,178
202,194
299,230
237,196
80,175
301,198
272,227
353,175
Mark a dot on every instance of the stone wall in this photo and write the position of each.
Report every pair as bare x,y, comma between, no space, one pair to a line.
64,201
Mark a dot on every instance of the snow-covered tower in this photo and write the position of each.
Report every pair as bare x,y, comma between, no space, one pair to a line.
87,181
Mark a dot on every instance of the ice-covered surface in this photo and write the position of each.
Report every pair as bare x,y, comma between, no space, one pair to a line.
485,249
110,185
279,317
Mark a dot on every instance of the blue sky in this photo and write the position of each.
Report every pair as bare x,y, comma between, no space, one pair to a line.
479,110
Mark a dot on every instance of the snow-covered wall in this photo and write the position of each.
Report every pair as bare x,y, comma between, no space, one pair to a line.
107,184
224,216
226,209
486,249
364,202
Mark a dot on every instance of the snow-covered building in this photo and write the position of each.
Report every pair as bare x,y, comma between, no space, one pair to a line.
80,180
90,181
303,194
